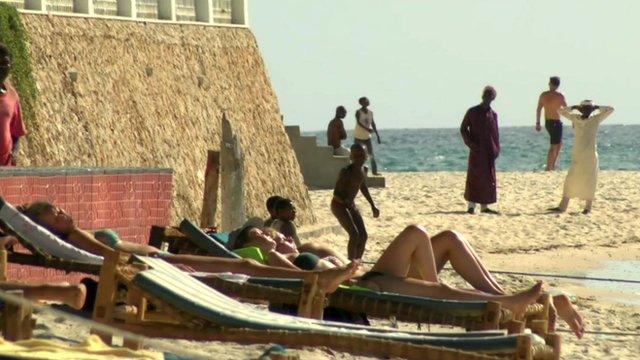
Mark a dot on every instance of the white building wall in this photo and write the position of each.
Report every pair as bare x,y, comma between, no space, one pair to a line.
206,12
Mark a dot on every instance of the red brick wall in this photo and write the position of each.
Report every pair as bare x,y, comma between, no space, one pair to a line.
128,203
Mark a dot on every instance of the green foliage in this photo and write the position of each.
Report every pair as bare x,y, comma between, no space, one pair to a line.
13,35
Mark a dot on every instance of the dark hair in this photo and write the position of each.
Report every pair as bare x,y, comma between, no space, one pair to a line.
340,109
34,210
362,99
283,204
357,146
241,238
555,81
272,201
4,51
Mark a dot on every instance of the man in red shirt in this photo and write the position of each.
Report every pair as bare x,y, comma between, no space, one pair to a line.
11,126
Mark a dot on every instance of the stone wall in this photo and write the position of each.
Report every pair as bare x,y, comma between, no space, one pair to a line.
119,93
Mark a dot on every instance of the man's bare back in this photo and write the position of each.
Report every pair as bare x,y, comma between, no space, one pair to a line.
551,102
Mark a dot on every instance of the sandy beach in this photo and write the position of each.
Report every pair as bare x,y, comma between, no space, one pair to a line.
525,238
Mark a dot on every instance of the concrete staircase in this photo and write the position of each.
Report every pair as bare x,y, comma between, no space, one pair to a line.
320,168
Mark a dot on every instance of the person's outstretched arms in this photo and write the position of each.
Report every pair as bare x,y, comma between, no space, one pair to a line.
87,242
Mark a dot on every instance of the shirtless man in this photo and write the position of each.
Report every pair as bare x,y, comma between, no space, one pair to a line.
350,181
336,133
551,101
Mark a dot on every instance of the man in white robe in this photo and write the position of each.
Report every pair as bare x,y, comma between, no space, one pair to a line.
582,177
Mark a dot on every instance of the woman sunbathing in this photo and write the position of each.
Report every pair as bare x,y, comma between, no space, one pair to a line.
60,223
411,263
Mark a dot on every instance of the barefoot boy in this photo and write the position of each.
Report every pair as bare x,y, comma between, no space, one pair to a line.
350,181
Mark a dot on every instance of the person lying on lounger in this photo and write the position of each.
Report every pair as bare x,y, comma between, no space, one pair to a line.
282,213
60,223
410,265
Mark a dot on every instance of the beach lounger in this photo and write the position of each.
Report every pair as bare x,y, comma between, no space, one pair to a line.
474,315
46,249
310,303
15,318
188,309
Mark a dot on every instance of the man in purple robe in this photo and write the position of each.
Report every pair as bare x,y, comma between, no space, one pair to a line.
479,131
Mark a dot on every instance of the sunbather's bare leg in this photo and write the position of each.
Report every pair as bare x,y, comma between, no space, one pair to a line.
451,246
329,279
411,247
71,295
568,313
409,286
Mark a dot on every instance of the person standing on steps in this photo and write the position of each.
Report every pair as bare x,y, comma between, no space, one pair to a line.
336,133
479,130
365,126
551,101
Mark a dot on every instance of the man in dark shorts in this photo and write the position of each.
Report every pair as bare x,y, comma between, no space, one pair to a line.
551,101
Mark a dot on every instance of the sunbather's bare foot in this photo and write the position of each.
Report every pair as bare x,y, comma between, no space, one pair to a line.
330,279
568,313
518,302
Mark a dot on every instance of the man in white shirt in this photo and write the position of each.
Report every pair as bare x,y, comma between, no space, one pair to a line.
364,127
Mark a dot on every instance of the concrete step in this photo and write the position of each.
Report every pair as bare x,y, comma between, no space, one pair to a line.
320,168
293,131
307,142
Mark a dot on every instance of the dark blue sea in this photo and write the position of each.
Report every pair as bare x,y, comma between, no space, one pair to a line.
523,149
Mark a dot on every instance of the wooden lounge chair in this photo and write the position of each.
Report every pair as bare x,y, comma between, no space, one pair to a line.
473,315
186,308
15,318
26,231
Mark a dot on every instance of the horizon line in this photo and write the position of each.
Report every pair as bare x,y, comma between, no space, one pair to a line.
446,128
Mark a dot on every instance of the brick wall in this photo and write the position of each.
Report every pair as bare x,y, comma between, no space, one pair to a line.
128,201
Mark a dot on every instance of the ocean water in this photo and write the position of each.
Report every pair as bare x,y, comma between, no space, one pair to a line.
618,270
523,149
